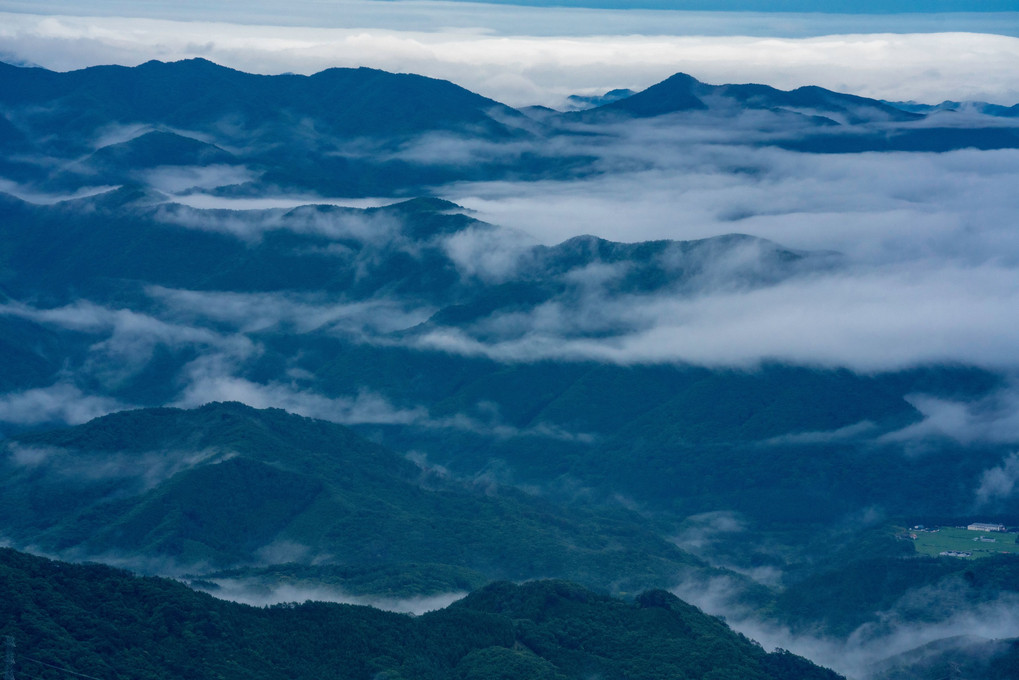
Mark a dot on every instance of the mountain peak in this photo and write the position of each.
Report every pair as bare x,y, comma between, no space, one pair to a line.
676,93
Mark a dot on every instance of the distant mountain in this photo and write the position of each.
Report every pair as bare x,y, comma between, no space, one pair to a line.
863,584
157,148
322,132
103,622
109,243
200,95
576,102
811,119
682,92
928,139
956,107
964,656
364,132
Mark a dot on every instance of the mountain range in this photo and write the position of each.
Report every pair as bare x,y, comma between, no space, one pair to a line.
227,486
351,132
217,365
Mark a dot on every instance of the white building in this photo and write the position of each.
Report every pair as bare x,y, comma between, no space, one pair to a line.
979,526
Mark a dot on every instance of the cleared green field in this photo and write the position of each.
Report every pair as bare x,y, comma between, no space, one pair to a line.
963,540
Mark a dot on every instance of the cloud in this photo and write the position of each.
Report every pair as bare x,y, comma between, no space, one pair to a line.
998,482
297,313
258,594
59,403
171,180
492,256
661,180
894,631
869,321
374,228
145,468
525,64
536,18
43,198
208,382
848,433
288,201
993,419
929,269
704,529
128,342
212,378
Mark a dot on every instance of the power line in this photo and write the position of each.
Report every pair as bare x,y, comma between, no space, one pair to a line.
65,670
9,661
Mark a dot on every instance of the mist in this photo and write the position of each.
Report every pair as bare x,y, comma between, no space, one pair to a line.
864,652
259,594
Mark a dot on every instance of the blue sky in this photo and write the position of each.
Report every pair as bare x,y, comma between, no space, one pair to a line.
820,6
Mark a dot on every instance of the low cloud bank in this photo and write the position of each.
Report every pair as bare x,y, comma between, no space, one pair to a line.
869,322
253,592
869,647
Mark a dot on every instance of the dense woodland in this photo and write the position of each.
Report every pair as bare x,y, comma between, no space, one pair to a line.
109,624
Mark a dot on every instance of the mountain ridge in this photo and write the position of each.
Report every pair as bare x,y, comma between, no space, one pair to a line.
214,487
93,619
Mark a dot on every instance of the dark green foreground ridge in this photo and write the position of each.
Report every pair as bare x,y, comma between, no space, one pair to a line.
109,623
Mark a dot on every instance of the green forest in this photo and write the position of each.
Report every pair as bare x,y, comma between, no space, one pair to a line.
107,623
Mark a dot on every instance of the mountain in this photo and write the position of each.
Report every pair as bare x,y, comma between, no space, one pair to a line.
336,132
810,119
477,403
227,485
200,95
682,92
577,102
104,622
368,133
136,300
153,149
959,107
111,243
963,656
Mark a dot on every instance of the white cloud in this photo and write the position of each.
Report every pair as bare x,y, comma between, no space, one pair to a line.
60,402
211,379
209,382
253,312
991,419
128,338
998,482
490,255
256,593
173,179
871,206
877,320
861,653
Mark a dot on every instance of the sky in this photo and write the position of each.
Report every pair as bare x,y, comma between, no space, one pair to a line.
524,55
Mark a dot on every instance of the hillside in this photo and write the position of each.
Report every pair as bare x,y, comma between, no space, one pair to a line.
109,623
226,485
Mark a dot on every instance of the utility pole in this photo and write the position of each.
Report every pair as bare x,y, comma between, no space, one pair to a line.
9,660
